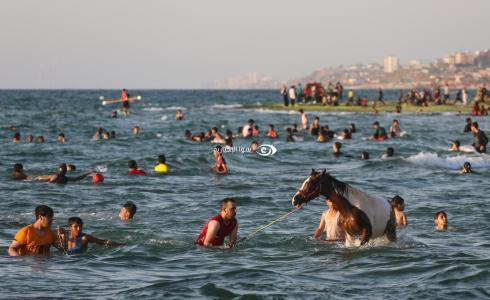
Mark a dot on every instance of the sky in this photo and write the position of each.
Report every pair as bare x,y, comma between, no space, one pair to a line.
187,44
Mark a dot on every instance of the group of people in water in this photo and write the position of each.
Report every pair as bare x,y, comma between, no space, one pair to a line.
38,237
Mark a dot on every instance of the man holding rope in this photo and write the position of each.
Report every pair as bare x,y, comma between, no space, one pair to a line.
220,226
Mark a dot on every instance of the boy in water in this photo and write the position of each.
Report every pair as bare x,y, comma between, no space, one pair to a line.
329,223
133,168
16,138
440,220
220,166
76,242
466,168
455,146
161,167
398,206
127,211
18,172
379,132
272,133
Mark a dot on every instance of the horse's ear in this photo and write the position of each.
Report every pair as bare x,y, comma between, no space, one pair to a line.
313,171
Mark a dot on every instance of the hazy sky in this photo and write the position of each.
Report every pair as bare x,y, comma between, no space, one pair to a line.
185,44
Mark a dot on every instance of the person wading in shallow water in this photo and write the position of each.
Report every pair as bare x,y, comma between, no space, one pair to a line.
220,226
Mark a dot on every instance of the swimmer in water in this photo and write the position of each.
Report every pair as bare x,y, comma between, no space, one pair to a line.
136,130
162,166
395,128
220,166
61,177
75,241
18,173
98,134
218,138
16,138
364,155
398,206
389,152
71,168
30,138
106,135
272,133
179,115
61,138
466,168
330,224
440,220
40,139
127,211
379,132
133,168
455,146
254,146
336,149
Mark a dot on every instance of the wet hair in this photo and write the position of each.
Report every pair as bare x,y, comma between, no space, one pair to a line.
63,168
40,139
229,132
301,110
352,127
215,129
71,167
457,143
75,220
17,136
43,211
395,120
439,213
218,148
251,121
475,124
240,129
224,202
132,164
468,120
376,123
390,151
131,207
161,158
18,167
338,145
187,133
255,142
467,165
364,155
397,202
271,126
61,135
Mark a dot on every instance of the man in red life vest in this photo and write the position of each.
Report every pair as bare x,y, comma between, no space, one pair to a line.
220,226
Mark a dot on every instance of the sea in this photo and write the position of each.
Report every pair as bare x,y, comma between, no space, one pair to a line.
160,260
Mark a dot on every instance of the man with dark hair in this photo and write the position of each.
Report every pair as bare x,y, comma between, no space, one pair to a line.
61,177
220,226
467,127
133,168
18,172
36,238
480,139
127,211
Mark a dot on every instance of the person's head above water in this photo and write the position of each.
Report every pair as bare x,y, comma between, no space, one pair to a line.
336,147
44,215
440,220
71,168
162,159
136,130
398,203
364,155
390,152
466,168
376,124
132,164
127,211
63,168
228,208
61,138
40,139
16,137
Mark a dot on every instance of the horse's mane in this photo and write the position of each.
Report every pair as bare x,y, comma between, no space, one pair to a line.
338,186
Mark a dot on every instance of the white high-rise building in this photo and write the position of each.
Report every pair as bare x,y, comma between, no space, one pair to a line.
391,64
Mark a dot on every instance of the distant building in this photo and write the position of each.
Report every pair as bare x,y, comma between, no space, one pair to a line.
391,64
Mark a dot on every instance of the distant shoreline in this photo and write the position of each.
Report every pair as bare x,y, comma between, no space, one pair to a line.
389,107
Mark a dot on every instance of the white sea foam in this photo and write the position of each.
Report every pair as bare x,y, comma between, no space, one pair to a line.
451,163
226,106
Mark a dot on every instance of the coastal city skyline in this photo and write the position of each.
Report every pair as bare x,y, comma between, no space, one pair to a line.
183,45
458,68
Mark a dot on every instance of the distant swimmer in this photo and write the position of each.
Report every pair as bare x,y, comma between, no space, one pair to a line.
379,132
29,138
330,224
304,120
467,127
179,115
133,168
75,241
136,130
220,165
466,168
480,139
127,211
217,137
36,238
61,138
16,138
364,156
247,127
162,166
390,152
272,133
455,146
336,149
18,173
220,226
440,220
125,102
398,206
395,130
254,146
40,139
61,177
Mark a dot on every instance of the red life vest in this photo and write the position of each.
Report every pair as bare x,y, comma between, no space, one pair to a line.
224,231
381,138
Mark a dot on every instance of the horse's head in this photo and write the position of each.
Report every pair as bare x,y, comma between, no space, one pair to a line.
318,183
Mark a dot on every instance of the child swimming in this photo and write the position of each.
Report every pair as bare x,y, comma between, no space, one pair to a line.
398,205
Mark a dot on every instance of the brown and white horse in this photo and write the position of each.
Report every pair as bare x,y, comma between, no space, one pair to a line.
362,217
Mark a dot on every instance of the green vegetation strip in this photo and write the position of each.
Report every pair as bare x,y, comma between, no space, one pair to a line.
390,107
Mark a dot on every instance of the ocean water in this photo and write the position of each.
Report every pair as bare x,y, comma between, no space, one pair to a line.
160,259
